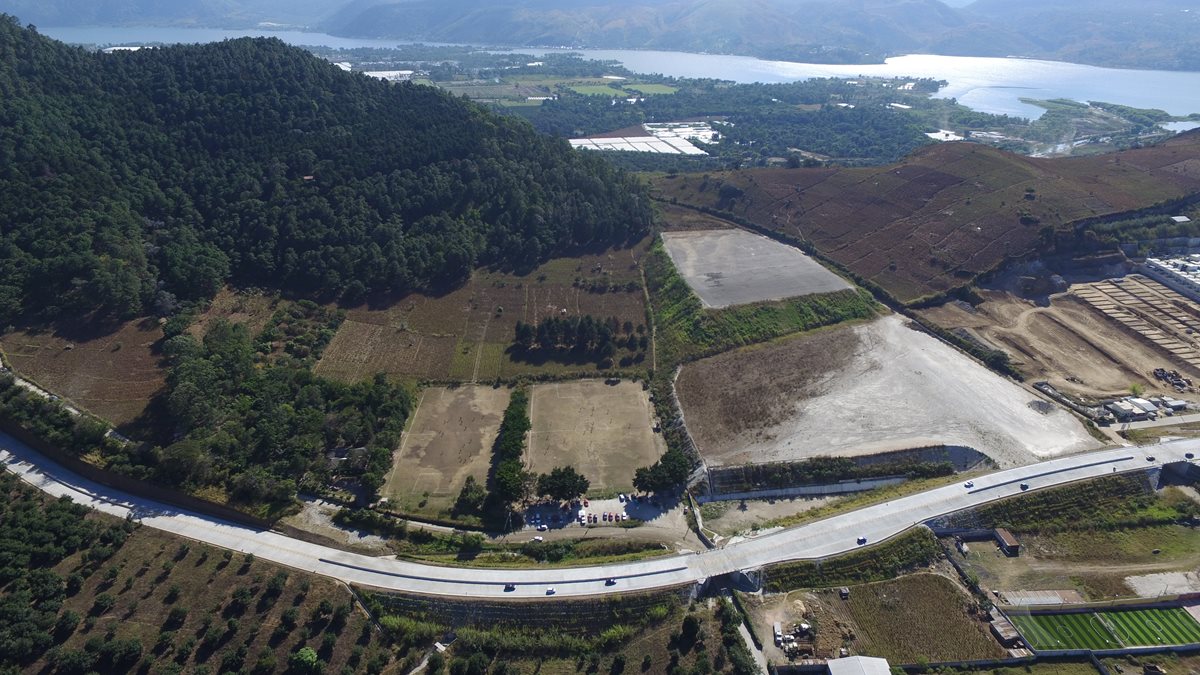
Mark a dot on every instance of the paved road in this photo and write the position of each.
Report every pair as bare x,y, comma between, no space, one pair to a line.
816,540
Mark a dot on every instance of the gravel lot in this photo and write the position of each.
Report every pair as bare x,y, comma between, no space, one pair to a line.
899,389
735,267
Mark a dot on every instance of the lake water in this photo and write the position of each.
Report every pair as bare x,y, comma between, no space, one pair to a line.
993,85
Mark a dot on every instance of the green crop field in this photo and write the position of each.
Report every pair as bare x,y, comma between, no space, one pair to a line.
651,89
597,90
1153,627
1108,629
1064,631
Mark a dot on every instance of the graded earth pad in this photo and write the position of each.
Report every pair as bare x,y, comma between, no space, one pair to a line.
864,389
1086,341
450,438
735,267
603,430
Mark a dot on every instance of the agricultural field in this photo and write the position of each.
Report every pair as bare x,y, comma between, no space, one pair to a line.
651,89
1110,629
111,372
450,438
596,90
465,335
1067,342
914,617
734,267
948,212
864,389
201,607
603,430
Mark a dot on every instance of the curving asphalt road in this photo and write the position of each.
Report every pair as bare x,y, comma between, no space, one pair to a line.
815,540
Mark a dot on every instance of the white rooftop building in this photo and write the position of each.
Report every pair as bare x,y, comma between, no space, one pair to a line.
859,665
1181,273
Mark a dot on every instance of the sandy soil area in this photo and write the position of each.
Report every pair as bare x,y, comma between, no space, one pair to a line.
900,389
735,267
1069,343
604,431
1165,583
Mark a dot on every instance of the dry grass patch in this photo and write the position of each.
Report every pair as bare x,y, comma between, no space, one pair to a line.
603,430
112,372
921,616
450,438
465,334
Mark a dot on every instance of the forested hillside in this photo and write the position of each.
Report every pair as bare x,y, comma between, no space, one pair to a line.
132,182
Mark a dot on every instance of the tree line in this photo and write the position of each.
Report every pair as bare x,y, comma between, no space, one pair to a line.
135,181
509,481
580,335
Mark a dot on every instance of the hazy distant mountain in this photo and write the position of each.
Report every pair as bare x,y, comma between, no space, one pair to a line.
1149,33
217,13
1146,34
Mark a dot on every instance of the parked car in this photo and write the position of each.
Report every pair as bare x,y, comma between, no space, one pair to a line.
1149,458
1024,486
969,484
1189,455
509,588
539,539
550,591
862,540
542,528
610,582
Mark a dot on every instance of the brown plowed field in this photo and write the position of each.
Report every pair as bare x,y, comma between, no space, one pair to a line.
948,212
463,335
1094,340
113,375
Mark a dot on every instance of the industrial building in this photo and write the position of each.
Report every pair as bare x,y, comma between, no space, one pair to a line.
1181,273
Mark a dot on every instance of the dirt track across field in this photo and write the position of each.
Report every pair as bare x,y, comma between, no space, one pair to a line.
864,389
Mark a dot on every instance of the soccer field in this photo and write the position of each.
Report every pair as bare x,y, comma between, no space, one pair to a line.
1064,631
1108,629
1153,627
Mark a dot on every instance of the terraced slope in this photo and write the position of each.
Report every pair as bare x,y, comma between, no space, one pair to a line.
947,213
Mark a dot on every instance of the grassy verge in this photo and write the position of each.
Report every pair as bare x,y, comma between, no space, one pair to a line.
1109,503
686,330
862,500
909,551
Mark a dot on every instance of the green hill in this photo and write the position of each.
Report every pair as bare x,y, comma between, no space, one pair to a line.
135,181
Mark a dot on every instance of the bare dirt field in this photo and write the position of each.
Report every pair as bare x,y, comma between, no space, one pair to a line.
450,438
1086,341
856,390
604,431
111,373
735,267
465,334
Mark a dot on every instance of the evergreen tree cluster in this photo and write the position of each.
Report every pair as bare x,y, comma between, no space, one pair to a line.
132,181
580,335
257,430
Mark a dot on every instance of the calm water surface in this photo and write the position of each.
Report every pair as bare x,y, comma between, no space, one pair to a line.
993,85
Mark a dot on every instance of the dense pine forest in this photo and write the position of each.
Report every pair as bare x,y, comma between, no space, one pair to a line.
136,181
